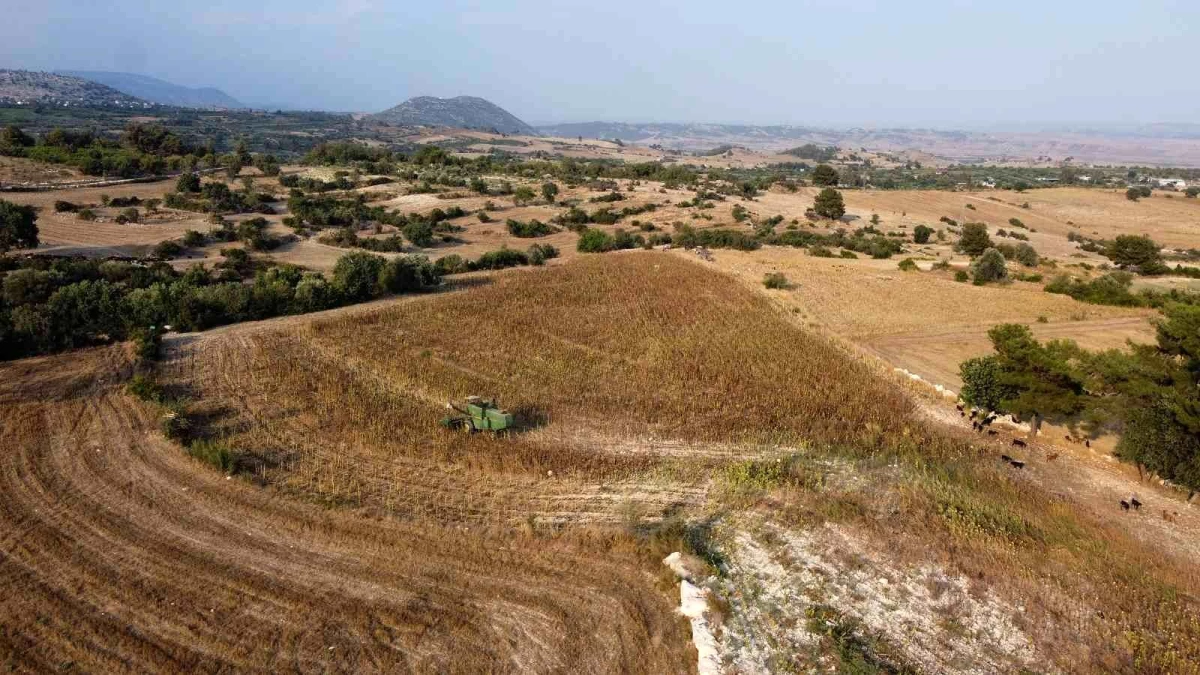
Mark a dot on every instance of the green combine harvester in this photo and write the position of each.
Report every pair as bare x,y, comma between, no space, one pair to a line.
478,415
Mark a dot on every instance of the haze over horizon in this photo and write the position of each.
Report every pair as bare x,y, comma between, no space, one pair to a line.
816,63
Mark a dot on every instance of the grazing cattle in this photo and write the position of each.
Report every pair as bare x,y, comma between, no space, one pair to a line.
1005,458
1124,505
1052,456
1017,464
1069,439
1019,443
959,406
962,414
1133,501
992,432
1088,443
989,419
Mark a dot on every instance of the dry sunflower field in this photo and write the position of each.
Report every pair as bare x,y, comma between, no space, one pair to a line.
663,408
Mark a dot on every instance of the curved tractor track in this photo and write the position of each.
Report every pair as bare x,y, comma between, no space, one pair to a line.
120,553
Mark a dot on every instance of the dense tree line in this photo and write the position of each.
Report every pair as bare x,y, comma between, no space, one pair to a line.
143,149
1149,395
53,304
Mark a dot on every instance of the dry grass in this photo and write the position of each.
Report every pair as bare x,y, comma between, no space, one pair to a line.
121,554
22,170
1097,213
863,299
641,346
381,542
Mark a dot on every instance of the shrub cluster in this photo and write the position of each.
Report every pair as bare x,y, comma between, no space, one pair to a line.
529,230
499,259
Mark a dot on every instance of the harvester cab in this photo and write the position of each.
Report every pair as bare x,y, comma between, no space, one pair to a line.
477,414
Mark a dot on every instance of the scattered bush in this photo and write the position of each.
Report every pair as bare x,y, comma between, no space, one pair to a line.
144,388
500,259
194,239
989,267
540,253
451,264
1026,255
775,280
166,250
921,234
1135,193
1140,253
908,265
688,237
533,228
214,453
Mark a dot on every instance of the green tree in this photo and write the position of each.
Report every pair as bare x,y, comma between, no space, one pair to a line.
522,195
1150,395
829,204
974,239
825,175
593,240
1026,255
187,183
989,267
921,234
549,191
406,274
1133,194
419,233
314,294
18,226
12,138
86,312
1041,382
981,383
356,275
242,153
1129,251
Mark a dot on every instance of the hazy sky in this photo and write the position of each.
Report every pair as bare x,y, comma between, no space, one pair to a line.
826,62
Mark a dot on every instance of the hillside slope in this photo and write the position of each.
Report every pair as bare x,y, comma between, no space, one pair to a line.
160,91
468,112
25,87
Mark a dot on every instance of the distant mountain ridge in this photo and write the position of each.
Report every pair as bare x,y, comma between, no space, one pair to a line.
466,112
25,87
160,91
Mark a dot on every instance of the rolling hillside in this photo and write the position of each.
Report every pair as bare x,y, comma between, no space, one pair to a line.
160,91
22,87
467,112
